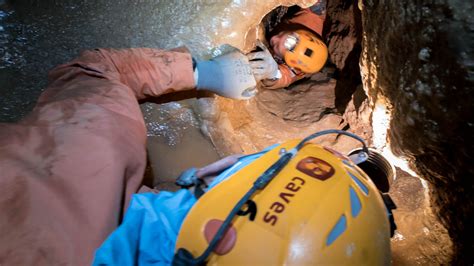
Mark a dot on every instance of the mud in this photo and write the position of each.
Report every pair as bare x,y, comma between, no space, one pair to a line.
175,142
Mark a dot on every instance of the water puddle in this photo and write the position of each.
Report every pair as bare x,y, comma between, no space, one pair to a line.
175,141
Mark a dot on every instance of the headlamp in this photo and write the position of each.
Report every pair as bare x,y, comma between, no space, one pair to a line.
291,41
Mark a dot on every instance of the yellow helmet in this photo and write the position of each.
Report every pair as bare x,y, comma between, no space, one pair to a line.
318,209
305,52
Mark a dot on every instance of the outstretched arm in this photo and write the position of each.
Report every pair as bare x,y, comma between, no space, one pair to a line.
69,168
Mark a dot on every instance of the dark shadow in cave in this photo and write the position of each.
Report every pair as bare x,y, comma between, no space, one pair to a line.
345,26
178,96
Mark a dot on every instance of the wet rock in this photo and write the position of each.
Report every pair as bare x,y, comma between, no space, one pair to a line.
420,238
309,101
358,115
407,192
424,54
342,32
307,106
244,127
416,55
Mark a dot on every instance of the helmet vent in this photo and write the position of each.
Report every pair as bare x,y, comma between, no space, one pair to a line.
359,183
337,230
356,205
308,52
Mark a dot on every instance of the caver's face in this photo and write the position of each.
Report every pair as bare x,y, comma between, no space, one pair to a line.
277,43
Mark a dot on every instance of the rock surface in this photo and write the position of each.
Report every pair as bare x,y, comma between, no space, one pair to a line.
419,238
341,102
419,55
305,107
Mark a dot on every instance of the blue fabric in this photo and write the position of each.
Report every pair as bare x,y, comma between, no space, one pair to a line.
210,76
243,161
148,233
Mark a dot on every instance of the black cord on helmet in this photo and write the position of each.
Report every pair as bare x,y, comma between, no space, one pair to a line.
333,131
184,257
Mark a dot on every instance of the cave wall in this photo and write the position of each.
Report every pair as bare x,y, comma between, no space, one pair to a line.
419,56
343,35
324,101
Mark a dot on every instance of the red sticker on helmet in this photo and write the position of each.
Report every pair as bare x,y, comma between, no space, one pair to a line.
227,242
316,168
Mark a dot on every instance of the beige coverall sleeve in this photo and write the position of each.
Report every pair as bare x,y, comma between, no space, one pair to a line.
68,169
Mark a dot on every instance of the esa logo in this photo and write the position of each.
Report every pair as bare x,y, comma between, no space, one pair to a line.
316,168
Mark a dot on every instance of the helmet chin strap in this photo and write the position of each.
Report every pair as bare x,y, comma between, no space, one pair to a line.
184,257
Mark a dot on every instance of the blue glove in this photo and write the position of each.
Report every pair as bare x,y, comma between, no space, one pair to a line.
228,75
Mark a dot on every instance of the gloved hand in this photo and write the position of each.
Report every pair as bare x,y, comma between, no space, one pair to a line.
263,65
228,75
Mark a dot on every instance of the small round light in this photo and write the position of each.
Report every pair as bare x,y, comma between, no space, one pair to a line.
291,41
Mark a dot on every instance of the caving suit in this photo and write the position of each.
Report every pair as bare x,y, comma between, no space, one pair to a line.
68,169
